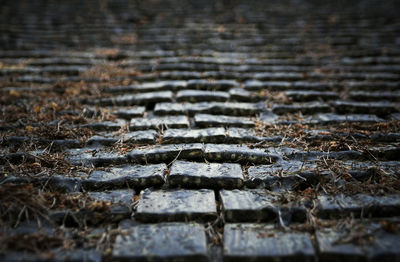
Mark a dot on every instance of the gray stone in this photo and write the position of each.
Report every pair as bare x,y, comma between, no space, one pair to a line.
159,122
137,99
129,112
207,135
359,205
60,255
302,96
169,109
167,153
238,153
304,108
95,141
94,157
205,175
176,205
386,152
136,176
201,96
204,120
351,107
271,85
274,76
258,242
212,85
242,136
341,244
286,175
259,205
242,95
373,96
334,118
162,242
120,200
105,125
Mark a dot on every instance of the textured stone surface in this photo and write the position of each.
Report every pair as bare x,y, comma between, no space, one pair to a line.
237,153
167,153
258,242
259,206
359,205
205,120
135,176
304,108
342,245
159,122
205,175
206,135
169,241
176,205
200,96
94,157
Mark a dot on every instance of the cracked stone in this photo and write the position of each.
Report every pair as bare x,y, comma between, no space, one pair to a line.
176,205
165,241
205,175
258,242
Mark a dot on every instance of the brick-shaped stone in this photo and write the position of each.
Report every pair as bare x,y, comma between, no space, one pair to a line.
205,120
201,96
159,122
162,242
205,175
206,135
258,242
176,205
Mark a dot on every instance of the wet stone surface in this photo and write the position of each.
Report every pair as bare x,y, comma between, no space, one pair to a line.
381,247
259,242
176,205
207,135
360,205
259,205
164,241
129,176
205,175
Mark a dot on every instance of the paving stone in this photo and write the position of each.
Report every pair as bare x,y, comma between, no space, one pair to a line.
60,255
302,96
169,109
159,122
120,200
258,242
148,87
285,76
284,175
137,99
304,108
335,119
237,153
387,152
378,108
162,242
201,96
373,96
128,113
57,143
241,136
95,141
388,137
105,125
167,153
94,157
135,176
259,205
256,85
205,120
206,135
358,205
242,95
382,245
212,85
176,205
205,175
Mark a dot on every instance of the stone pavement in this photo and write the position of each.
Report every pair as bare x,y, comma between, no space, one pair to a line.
200,130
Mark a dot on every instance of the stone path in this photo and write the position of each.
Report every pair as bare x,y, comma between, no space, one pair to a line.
199,131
